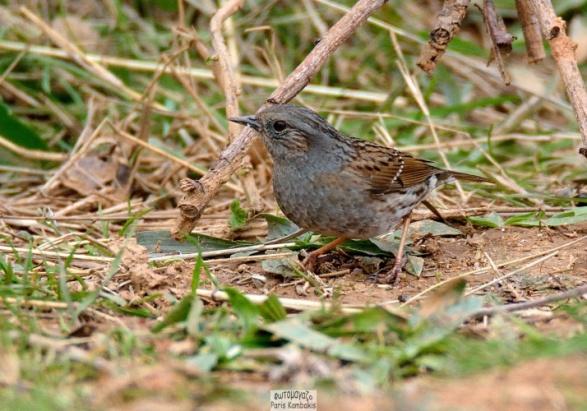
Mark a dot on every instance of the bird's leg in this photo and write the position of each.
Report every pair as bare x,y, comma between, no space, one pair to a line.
393,276
309,262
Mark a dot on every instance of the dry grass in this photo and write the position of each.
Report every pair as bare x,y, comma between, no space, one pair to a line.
107,106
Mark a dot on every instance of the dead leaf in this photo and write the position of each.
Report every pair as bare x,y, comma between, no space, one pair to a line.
89,174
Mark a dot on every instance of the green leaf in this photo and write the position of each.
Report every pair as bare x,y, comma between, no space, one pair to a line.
285,267
130,225
438,327
574,216
368,247
238,216
348,352
160,242
18,132
368,321
388,244
196,273
525,220
204,362
177,314
246,311
136,311
415,265
278,227
272,310
6,267
294,330
492,220
434,228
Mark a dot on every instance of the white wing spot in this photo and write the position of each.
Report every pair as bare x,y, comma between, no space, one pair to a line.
400,169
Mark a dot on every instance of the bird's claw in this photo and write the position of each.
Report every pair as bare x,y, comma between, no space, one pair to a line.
309,263
392,276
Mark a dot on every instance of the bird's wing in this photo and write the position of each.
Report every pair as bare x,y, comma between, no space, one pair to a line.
387,170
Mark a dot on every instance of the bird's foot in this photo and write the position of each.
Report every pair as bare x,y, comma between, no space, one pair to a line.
392,276
311,261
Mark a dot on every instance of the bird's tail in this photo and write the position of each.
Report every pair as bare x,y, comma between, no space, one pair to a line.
449,176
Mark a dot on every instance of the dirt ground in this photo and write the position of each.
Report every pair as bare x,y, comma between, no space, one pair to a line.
446,257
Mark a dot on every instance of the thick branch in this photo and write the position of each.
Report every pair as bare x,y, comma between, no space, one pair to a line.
200,193
448,24
531,29
563,51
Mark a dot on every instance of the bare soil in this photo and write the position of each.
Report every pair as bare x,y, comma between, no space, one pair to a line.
447,257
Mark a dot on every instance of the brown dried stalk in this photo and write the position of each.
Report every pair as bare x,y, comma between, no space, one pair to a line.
554,29
448,24
199,194
531,29
228,81
501,40
227,78
31,153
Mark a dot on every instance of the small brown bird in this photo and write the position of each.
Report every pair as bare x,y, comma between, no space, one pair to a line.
336,185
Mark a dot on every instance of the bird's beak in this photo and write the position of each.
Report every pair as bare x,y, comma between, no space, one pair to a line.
247,121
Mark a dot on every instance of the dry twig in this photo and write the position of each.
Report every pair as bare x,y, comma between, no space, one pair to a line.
180,161
228,80
225,71
572,293
531,29
501,40
294,304
31,153
448,24
510,274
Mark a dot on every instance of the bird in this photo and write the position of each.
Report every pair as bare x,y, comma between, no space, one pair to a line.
336,185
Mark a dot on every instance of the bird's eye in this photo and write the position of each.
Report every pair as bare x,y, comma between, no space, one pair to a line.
279,126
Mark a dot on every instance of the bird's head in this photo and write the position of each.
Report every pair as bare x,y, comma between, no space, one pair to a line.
290,131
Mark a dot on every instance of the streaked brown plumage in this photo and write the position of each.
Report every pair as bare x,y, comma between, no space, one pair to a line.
336,185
